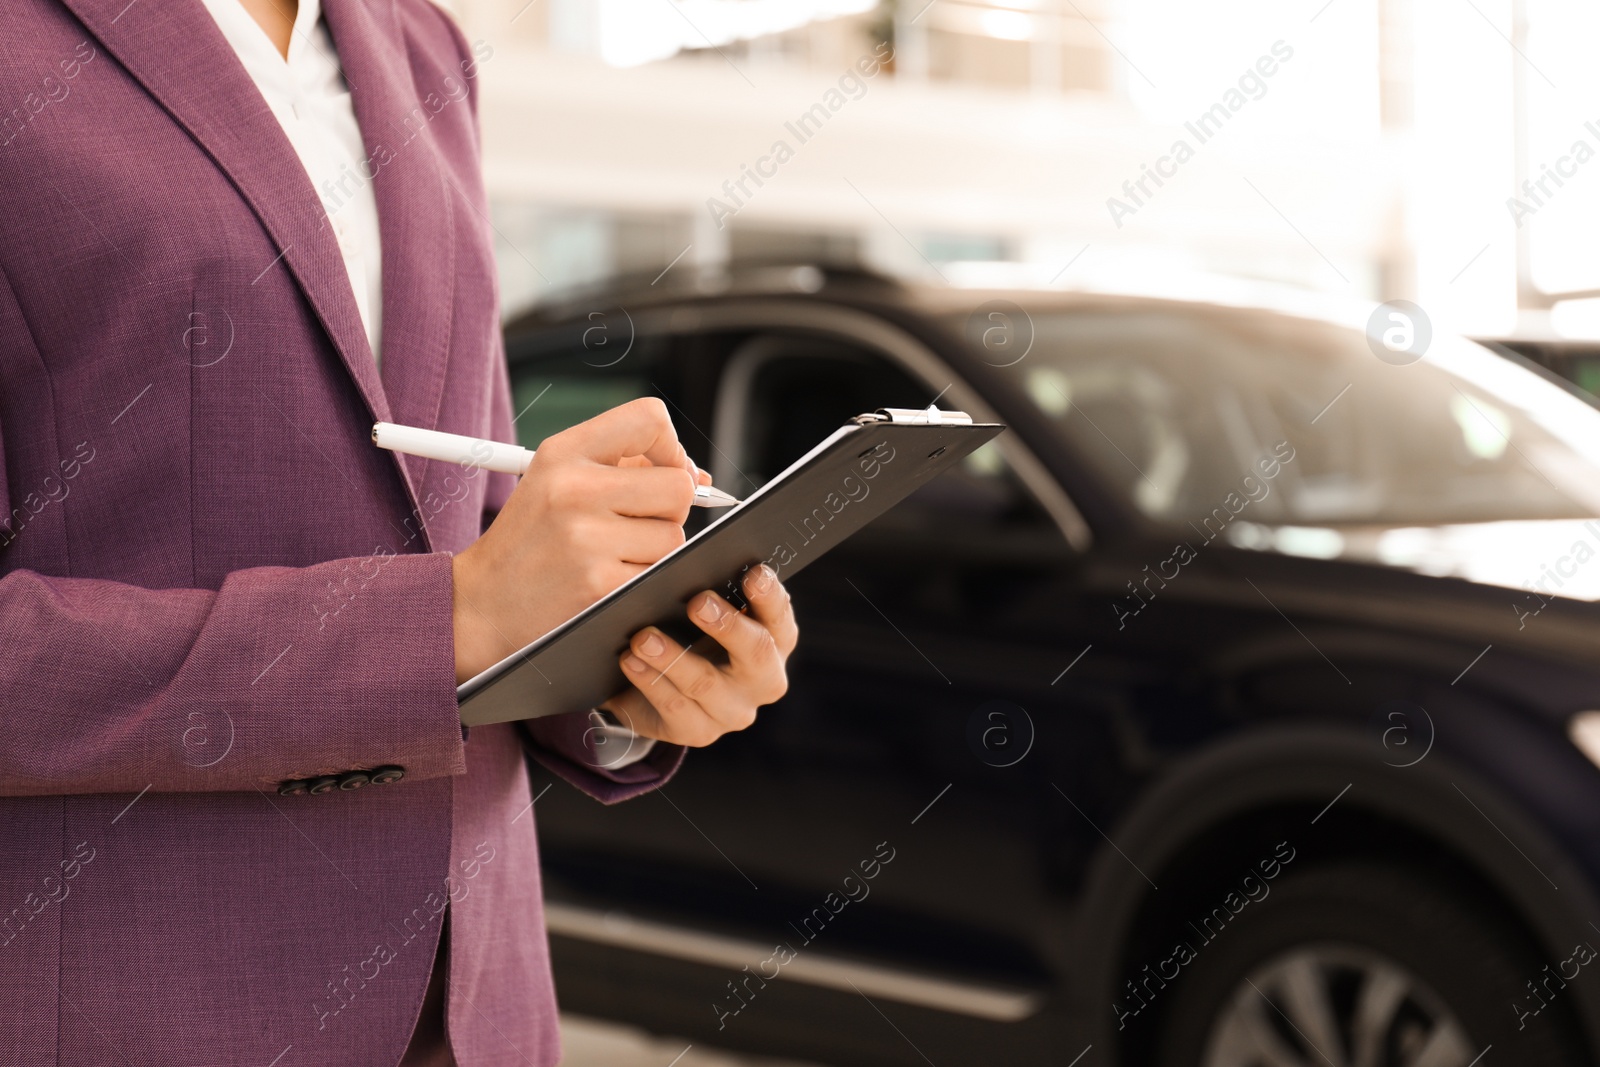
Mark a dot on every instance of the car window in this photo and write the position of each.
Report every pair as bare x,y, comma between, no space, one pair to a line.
1177,408
793,391
557,382
570,374
573,373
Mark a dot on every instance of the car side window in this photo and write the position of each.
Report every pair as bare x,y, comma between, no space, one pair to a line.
783,394
1180,409
562,378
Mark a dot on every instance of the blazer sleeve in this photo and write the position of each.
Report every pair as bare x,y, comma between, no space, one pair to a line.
569,747
109,687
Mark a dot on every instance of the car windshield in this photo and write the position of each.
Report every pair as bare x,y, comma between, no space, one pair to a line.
1177,408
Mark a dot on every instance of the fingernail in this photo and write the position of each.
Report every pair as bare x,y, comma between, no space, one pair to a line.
651,645
710,610
764,578
634,663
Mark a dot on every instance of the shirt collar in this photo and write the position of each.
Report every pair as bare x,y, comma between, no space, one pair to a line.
250,40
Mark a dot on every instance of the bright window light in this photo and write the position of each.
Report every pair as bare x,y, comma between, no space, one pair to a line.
1577,319
1008,25
627,33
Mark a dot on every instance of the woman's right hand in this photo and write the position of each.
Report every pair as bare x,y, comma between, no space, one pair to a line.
601,502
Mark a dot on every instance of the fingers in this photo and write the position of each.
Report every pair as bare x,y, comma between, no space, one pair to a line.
682,697
682,723
638,428
701,477
693,702
636,713
645,492
769,603
755,661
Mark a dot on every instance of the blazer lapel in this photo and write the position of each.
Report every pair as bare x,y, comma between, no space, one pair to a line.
415,211
175,50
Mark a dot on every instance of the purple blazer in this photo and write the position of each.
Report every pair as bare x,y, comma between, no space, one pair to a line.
212,582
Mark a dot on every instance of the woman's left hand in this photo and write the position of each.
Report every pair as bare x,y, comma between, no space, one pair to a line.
683,698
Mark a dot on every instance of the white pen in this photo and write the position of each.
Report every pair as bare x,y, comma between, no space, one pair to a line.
490,455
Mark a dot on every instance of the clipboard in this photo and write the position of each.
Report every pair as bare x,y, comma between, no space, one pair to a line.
851,477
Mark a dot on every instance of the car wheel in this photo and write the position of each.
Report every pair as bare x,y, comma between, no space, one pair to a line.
1362,966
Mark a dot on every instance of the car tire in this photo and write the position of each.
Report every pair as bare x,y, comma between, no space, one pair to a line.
1377,963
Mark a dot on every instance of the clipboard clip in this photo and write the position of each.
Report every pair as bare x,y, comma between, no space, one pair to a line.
928,416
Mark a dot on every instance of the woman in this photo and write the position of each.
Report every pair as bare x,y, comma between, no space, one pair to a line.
241,822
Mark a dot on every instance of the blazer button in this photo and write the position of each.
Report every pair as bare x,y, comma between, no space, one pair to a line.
385,775
294,787
318,786
354,779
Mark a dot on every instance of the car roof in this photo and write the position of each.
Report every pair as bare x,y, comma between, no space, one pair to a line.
855,285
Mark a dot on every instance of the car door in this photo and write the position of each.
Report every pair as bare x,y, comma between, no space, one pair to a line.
928,710
933,737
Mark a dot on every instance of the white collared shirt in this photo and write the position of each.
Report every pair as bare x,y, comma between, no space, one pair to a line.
308,95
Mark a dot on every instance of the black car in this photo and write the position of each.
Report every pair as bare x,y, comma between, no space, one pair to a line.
1235,708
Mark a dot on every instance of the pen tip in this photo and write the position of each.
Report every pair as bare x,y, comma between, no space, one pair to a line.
713,497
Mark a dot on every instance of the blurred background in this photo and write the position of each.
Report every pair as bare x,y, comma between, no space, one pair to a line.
1300,155
1376,161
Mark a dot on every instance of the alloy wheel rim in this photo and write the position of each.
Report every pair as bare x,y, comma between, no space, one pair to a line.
1335,1005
